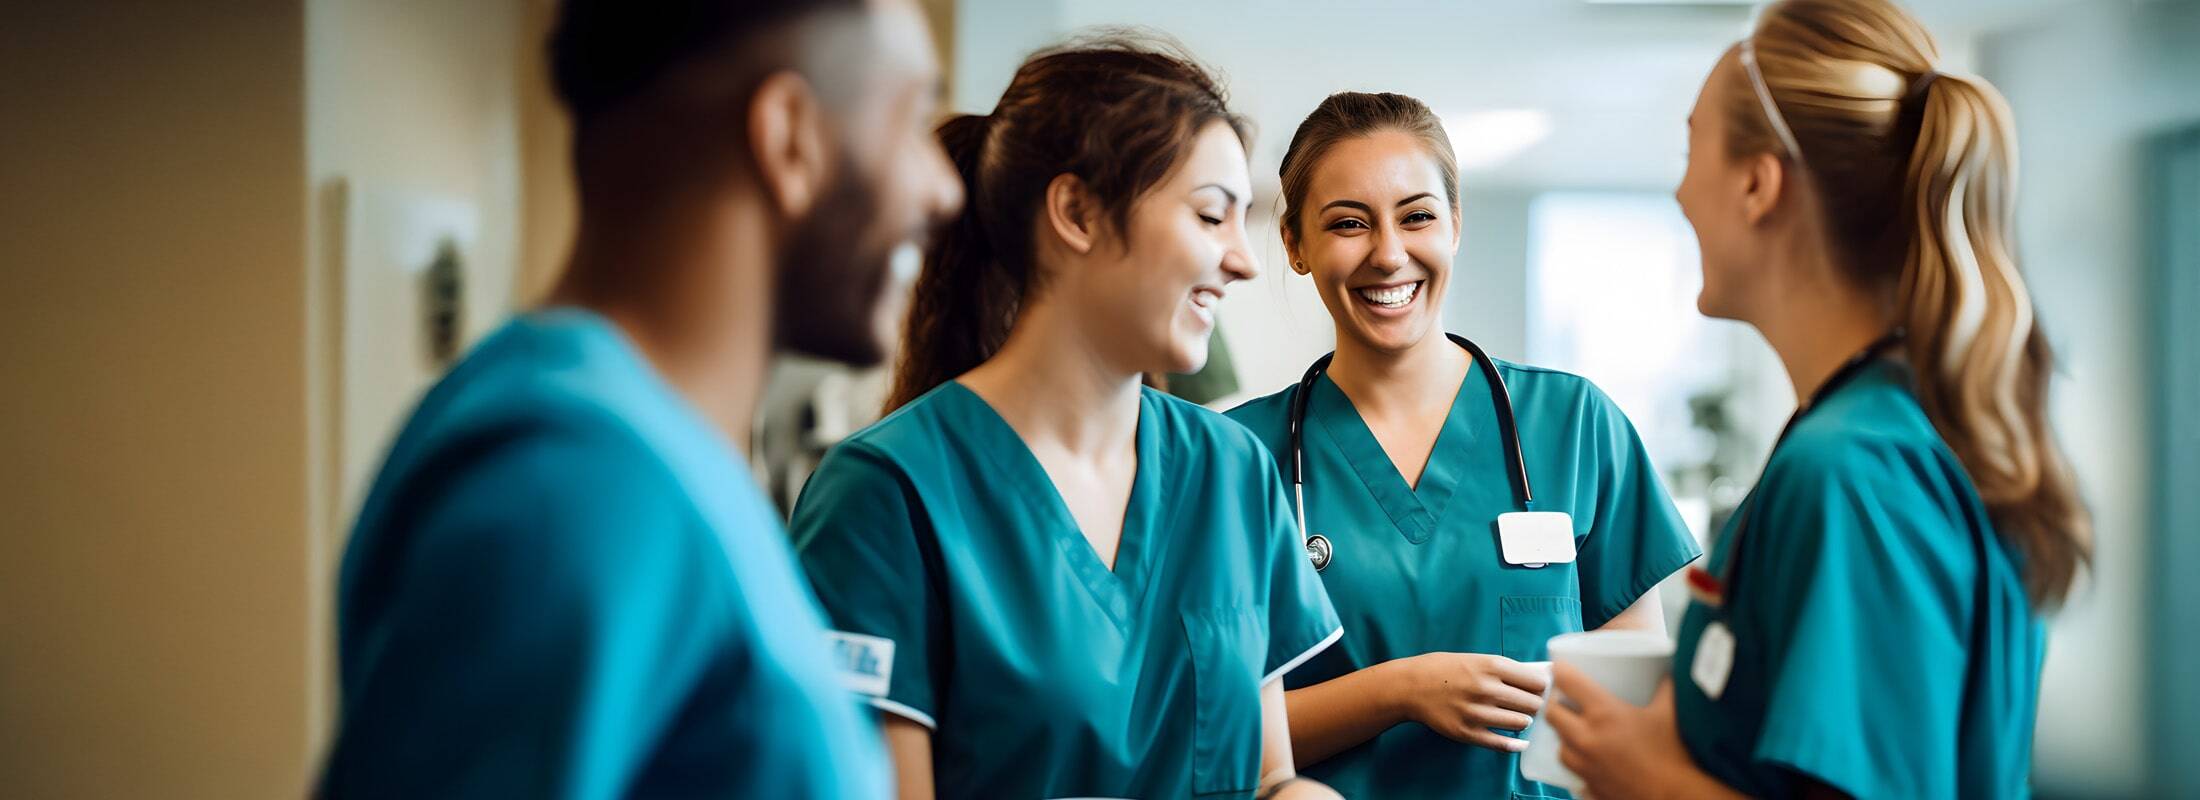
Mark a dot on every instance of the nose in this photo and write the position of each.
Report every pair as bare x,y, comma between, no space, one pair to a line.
1389,254
1238,262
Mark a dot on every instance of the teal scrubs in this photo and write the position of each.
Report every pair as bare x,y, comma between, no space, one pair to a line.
565,584
1417,569
1870,651
967,600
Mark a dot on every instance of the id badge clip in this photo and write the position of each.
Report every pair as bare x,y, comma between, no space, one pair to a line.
1536,538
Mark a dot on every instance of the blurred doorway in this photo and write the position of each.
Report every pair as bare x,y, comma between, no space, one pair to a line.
2176,284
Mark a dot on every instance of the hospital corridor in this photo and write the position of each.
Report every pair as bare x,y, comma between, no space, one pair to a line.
1099,398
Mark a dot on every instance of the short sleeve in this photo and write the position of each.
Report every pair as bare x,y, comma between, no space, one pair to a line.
856,530
1848,541
1301,620
533,625
1636,537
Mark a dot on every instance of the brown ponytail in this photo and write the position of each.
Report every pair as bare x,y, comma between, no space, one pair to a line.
1118,111
1919,188
963,302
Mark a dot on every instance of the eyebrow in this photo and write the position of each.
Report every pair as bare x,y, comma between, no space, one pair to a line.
1225,190
1365,208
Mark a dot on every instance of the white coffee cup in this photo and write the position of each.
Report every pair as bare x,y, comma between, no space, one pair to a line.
1629,664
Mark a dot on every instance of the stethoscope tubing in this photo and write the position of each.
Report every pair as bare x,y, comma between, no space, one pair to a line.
1507,430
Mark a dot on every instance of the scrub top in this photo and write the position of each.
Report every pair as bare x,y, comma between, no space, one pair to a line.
566,584
967,600
1874,650
1417,569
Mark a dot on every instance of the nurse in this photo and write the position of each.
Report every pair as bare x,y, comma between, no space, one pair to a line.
1414,453
1868,625
1051,581
564,582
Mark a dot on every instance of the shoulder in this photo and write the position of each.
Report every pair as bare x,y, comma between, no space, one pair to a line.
548,409
1551,385
1201,428
541,428
1868,458
1552,394
551,376
540,507
924,424
868,476
1873,431
1268,417
1267,411
564,469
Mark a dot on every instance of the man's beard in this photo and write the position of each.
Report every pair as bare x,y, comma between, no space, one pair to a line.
831,277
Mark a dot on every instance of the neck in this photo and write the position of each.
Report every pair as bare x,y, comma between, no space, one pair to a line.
1055,386
691,285
1386,382
1821,326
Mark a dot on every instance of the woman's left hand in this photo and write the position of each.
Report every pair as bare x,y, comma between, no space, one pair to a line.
1622,752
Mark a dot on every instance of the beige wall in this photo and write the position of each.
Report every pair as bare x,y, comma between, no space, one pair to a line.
187,410
153,581
408,101
412,106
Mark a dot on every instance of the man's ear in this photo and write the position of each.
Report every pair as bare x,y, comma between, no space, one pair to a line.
1071,212
787,142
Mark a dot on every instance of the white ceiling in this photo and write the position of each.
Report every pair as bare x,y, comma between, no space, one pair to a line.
1615,80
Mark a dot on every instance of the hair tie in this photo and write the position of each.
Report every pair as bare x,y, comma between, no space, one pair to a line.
1924,83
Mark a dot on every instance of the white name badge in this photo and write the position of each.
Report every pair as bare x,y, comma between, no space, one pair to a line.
1536,538
1714,660
866,662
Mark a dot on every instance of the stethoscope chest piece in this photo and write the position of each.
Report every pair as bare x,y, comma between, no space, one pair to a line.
1318,551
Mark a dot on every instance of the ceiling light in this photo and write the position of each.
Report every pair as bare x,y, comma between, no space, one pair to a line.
1486,139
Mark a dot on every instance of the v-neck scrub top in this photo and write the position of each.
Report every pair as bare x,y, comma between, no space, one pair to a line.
966,598
1417,569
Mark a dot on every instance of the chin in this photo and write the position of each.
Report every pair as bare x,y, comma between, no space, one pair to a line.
1712,306
1395,337
1186,355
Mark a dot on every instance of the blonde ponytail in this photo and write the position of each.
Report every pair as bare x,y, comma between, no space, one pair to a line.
1982,363
1919,193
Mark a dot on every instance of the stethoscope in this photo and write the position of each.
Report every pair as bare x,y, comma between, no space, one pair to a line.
1319,549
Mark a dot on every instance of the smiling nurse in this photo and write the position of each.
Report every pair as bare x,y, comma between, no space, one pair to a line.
1415,453
1051,581
1868,625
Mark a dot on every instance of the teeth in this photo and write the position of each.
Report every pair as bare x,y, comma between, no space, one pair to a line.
1392,297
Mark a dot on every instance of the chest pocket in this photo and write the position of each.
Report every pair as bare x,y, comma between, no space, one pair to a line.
1226,646
1530,621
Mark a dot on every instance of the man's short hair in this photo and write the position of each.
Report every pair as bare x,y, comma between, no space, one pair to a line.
605,52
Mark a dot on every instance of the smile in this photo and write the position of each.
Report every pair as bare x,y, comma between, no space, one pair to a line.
1397,296
1203,302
